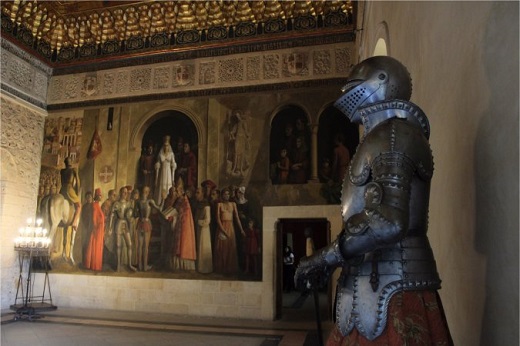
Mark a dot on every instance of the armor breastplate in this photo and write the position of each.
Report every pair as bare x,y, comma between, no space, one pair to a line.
399,144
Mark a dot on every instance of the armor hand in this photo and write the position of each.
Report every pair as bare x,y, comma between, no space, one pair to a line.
314,272
311,273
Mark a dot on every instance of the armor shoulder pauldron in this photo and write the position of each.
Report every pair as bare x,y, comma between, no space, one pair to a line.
359,168
392,136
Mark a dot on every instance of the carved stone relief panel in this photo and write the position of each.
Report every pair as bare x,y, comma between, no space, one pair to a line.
322,62
231,70
140,79
56,90
109,83
122,82
207,73
90,85
40,85
295,64
271,66
343,60
21,137
72,87
184,75
161,77
253,68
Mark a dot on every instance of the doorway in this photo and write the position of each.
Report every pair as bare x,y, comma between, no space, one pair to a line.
302,236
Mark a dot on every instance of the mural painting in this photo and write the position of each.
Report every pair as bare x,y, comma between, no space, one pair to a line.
167,218
167,224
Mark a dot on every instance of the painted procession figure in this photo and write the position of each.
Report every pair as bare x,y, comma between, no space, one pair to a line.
70,190
389,279
143,210
120,223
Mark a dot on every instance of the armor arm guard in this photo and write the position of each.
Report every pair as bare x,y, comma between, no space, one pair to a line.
384,218
111,220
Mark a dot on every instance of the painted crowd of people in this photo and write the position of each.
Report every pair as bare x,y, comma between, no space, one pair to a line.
209,230
166,221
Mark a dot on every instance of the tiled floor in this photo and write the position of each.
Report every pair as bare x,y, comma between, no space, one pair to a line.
100,327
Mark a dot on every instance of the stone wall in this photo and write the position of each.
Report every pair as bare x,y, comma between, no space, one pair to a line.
21,144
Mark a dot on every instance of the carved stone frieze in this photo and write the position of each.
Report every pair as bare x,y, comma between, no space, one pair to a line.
20,53
20,76
313,65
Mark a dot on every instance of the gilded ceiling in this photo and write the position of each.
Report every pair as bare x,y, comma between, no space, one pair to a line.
72,32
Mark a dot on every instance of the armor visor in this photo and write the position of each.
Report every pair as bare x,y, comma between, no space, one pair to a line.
357,93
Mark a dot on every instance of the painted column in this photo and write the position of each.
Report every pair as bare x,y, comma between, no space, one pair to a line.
314,153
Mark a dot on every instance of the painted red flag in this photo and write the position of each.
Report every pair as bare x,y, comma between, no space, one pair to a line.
95,146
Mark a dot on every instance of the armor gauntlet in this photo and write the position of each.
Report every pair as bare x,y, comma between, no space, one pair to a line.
314,271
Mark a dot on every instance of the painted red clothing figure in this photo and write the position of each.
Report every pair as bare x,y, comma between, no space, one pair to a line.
226,259
251,247
184,252
94,254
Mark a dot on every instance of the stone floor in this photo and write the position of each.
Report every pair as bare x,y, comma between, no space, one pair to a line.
67,326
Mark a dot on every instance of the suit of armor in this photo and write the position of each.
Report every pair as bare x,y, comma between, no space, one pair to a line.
120,215
383,248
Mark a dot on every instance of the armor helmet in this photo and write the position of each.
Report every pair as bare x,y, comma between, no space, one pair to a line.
373,80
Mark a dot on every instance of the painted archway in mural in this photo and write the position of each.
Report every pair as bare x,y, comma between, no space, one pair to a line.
289,147
180,132
337,142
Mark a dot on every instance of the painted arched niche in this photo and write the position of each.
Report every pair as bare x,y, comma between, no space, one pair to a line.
291,135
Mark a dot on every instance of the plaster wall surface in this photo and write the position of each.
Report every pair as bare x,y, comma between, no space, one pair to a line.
463,59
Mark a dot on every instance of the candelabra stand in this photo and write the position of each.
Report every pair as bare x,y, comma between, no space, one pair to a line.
30,246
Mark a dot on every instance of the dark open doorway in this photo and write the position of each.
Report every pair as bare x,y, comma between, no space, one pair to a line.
300,235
